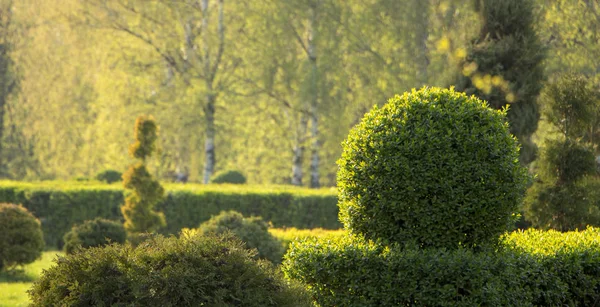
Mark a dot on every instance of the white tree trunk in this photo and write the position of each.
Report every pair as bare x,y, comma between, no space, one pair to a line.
298,153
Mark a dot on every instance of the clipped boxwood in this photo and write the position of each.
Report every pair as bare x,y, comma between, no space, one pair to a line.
432,166
109,176
21,237
229,176
93,233
253,231
189,271
532,269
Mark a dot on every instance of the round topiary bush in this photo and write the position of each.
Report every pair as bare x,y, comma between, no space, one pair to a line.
190,271
21,237
432,167
109,176
230,176
253,231
94,233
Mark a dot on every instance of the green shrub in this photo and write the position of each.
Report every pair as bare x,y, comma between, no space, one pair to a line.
190,271
230,176
109,176
93,233
253,231
145,191
351,272
432,166
566,161
21,237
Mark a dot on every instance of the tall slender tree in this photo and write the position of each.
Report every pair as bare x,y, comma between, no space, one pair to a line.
8,80
504,66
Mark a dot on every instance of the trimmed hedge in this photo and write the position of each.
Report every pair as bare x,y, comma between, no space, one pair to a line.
60,205
533,269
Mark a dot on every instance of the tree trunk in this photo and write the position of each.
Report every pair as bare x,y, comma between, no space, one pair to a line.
298,153
314,99
209,138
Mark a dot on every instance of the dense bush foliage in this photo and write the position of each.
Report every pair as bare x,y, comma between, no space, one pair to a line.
253,231
230,176
93,233
145,191
196,271
432,166
566,161
21,237
534,269
289,235
61,205
109,176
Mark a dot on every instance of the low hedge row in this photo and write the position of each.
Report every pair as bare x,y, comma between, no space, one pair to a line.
59,206
348,271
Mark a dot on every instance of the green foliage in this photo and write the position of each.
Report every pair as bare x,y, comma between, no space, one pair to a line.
196,271
433,166
566,161
253,231
93,233
534,269
145,134
109,176
570,104
508,47
61,205
21,237
146,192
563,207
230,176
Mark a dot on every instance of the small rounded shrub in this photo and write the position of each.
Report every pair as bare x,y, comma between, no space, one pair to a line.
109,176
189,271
21,237
432,167
94,233
253,231
230,176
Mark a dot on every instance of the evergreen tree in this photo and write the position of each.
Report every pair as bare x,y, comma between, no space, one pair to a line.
145,190
503,66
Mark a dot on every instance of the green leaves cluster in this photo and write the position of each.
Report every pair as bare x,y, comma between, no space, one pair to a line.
433,167
21,237
94,233
197,271
253,231
145,191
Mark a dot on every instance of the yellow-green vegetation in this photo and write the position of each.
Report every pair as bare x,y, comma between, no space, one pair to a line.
551,242
14,285
288,235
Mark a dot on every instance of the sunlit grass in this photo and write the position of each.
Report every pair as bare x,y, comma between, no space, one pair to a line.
14,285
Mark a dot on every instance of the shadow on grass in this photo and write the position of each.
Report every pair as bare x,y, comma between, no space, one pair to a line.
16,275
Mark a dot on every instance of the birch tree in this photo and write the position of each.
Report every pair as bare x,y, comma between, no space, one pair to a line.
190,37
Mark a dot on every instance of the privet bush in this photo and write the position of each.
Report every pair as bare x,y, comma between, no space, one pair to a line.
253,231
532,269
230,176
21,238
109,176
195,271
92,233
145,191
434,167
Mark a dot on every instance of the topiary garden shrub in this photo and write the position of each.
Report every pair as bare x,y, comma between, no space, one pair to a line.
253,231
21,237
93,233
190,271
230,176
109,176
433,167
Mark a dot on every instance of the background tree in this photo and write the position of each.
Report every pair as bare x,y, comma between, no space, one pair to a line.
504,66
145,191
565,195
8,78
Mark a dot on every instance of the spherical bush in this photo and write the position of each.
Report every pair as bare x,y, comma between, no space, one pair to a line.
21,237
233,177
190,271
94,233
432,167
253,231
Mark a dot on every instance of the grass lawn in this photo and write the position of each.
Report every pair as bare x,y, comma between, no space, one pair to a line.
14,286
